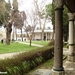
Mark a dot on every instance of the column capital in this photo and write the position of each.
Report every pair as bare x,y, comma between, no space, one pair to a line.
71,16
58,3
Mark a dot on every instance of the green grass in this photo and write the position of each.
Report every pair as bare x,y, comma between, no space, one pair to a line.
15,47
44,43
66,46
47,65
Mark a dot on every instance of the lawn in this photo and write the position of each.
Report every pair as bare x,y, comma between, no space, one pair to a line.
15,47
47,65
44,43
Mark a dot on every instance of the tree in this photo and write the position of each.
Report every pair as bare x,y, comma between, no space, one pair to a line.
8,16
65,24
18,17
29,32
2,11
15,5
51,13
10,21
5,18
40,13
30,24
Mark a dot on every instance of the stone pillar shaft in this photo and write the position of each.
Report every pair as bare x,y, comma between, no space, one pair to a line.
58,49
74,36
71,37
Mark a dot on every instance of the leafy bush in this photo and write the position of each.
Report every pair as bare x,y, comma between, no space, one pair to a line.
24,62
51,43
66,45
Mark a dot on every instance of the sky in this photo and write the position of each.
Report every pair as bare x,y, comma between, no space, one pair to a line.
27,4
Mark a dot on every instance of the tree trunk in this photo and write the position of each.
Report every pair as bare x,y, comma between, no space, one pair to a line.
8,38
13,34
8,33
43,30
16,33
21,35
30,42
42,35
30,39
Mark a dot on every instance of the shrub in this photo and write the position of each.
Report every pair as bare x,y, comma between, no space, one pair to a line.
66,45
24,62
51,43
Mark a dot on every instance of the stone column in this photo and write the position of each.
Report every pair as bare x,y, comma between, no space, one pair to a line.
74,37
58,48
71,37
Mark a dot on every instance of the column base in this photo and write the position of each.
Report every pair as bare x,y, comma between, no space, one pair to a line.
71,58
58,72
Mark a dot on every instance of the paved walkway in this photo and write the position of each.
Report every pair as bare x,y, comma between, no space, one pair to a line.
8,55
69,68
31,44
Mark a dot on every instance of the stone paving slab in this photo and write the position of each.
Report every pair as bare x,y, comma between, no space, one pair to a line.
69,68
42,72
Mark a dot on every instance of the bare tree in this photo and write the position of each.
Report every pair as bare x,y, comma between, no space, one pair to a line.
30,25
39,9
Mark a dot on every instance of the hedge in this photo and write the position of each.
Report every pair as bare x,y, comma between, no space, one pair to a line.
24,62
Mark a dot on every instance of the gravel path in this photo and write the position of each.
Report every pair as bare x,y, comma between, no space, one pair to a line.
8,55
37,45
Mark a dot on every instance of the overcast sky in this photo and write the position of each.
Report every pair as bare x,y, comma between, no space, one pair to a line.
27,4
